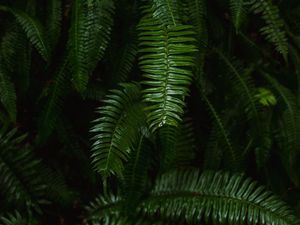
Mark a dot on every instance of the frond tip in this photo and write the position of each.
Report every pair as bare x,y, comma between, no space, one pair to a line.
166,62
117,129
273,29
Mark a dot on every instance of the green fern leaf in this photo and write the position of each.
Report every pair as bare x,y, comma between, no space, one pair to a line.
51,111
33,30
16,56
290,129
117,129
166,62
135,174
103,206
167,11
54,21
273,30
8,94
216,198
91,25
238,13
14,219
102,18
221,141
78,46
197,10
19,179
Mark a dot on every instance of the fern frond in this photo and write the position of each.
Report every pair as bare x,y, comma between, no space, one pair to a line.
273,30
135,174
49,114
14,219
167,11
54,21
78,45
33,30
290,128
117,129
16,56
198,15
8,94
103,207
91,25
166,61
238,13
220,141
124,62
103,17
216,198
185,144
19,179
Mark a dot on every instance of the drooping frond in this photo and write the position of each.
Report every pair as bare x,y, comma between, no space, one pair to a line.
79,44
243,85
16,56
166,61
197,14
289,129
103,207
238,12
54,21
103,18
117,129
168,136
273,30
216,198
56,93
177,145
124,61
7,93
136,173
220,142
89,35
14,219
33,29
19,172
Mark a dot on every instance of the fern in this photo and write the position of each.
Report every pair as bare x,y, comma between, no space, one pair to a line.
273,30
103,21
117,129
78,45
167,68
136,173
49,114
15,219
185,146
167,11
238,12
290,128
19,178
8,94
221,141
33,30
177,145
16,56
124,62
54,21
216,198
103,207
197,10
91,24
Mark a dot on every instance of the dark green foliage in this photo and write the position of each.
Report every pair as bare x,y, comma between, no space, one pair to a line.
118,129
192,105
